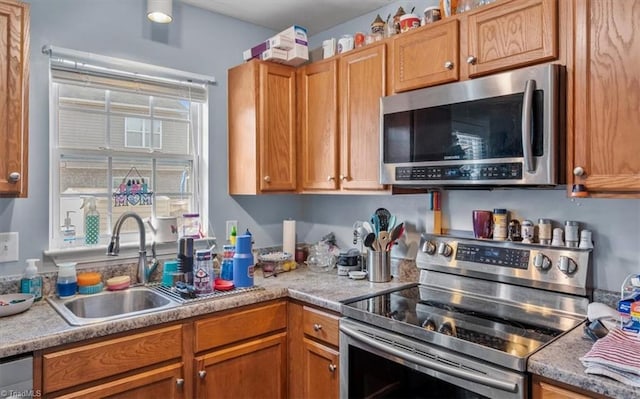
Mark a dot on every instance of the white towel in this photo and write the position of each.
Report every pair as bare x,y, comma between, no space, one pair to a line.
617,355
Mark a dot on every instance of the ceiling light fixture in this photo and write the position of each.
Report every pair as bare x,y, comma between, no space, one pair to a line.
160,11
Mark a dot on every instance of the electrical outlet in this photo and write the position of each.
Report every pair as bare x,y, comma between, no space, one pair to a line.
230,224
9,247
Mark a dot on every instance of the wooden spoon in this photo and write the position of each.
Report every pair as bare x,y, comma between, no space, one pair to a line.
383,240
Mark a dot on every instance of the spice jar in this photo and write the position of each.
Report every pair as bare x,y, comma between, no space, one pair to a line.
500,224
544,231
571,238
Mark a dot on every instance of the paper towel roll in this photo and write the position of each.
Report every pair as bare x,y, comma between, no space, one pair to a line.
289,236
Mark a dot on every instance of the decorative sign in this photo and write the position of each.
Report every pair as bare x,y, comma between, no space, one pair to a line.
133,190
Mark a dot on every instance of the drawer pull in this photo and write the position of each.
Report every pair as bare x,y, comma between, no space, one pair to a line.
332,367
317,327
202,374
472,60
14,177
267,179
180,382
448,65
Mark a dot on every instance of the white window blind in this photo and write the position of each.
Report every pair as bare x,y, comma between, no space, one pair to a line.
122,127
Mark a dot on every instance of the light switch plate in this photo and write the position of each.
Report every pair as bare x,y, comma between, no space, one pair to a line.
9,247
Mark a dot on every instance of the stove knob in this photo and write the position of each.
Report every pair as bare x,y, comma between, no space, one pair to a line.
541,261
444,249
429,247
567,265
447,329
429,325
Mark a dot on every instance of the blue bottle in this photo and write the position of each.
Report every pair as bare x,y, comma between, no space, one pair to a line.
243,263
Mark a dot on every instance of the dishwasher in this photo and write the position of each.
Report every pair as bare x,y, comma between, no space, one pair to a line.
16,377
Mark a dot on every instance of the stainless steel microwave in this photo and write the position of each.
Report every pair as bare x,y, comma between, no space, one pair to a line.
500,130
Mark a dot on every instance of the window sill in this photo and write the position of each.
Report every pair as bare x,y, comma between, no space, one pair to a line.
128,251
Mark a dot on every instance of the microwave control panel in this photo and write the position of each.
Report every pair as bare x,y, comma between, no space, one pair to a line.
490,171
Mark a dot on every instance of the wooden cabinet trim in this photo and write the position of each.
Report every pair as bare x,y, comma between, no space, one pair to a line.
224,329
75,366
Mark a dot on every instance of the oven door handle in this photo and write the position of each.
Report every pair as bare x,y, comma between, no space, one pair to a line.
527,114
455,372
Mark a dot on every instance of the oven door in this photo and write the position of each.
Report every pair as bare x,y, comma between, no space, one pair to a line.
376,363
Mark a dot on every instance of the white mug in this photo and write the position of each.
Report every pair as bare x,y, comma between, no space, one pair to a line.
345,44
164,228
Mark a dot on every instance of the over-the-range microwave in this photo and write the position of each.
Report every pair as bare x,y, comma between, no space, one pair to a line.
500,130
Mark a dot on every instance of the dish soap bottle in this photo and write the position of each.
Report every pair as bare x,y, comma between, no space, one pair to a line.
91,221
68,231
31,282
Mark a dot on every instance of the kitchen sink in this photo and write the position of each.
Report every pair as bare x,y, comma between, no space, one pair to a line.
111,305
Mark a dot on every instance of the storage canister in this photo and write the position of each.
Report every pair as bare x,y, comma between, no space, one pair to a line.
243,265
571,238
500,224
544,231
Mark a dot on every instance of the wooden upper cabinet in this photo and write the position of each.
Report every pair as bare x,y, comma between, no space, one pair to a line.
362,83
426,57
606,103
262,128
14,98
318,124
511,35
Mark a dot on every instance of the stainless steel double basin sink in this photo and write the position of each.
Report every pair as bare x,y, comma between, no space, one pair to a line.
111,305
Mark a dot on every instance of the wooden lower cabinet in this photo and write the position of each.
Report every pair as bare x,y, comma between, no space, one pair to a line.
314,358
547,389
255,369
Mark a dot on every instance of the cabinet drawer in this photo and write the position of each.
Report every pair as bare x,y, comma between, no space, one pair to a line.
321,325
221,330
75,366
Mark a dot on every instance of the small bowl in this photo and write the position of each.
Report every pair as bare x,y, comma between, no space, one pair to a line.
356,275
15,303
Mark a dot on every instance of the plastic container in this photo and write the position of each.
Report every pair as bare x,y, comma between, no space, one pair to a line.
67,282
170,267
191,225
91,221
31,282
68,231
500,224
243,266
203,277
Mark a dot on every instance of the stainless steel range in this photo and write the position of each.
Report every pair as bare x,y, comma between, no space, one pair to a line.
481,308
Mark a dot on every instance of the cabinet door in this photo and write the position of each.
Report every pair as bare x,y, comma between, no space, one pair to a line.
606,143
321,376
426,57
318,121
546,390
14,98
511,35
255,369
163,382
277,127
362,83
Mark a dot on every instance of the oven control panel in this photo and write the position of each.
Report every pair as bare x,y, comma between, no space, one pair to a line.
543,266
506,257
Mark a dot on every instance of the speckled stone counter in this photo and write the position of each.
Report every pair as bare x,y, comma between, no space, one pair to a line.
42,327
560,361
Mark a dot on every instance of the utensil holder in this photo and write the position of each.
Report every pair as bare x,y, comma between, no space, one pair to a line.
379,266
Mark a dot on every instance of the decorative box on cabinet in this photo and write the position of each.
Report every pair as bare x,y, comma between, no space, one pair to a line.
261,128
14,95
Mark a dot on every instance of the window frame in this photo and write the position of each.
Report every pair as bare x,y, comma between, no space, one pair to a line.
199,158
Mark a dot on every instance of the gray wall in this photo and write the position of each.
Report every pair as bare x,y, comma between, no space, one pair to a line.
207,43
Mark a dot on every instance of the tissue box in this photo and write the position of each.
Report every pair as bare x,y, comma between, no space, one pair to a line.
280,42
295,33
298,55
275,55
255,51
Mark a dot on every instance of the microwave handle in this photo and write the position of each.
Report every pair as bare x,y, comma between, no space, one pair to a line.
527,112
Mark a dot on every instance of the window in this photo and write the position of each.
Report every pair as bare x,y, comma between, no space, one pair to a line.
133,141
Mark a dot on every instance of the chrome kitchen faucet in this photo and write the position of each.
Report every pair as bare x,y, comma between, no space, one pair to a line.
144,269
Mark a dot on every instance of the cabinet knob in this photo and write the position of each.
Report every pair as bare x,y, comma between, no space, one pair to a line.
471,60
448,65
578,171
202,374
180,382
267,179
14,176
317,327
329,178
343,177
332,367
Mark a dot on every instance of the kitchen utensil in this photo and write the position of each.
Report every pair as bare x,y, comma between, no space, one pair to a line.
368,226
383,240
369,240
392,223
383,216
379,266
375,221
15,303
395,234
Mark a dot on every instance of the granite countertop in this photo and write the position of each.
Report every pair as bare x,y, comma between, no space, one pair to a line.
42,327
559,361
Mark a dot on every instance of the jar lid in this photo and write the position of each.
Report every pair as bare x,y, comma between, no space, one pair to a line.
500,211
544,221
432,8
